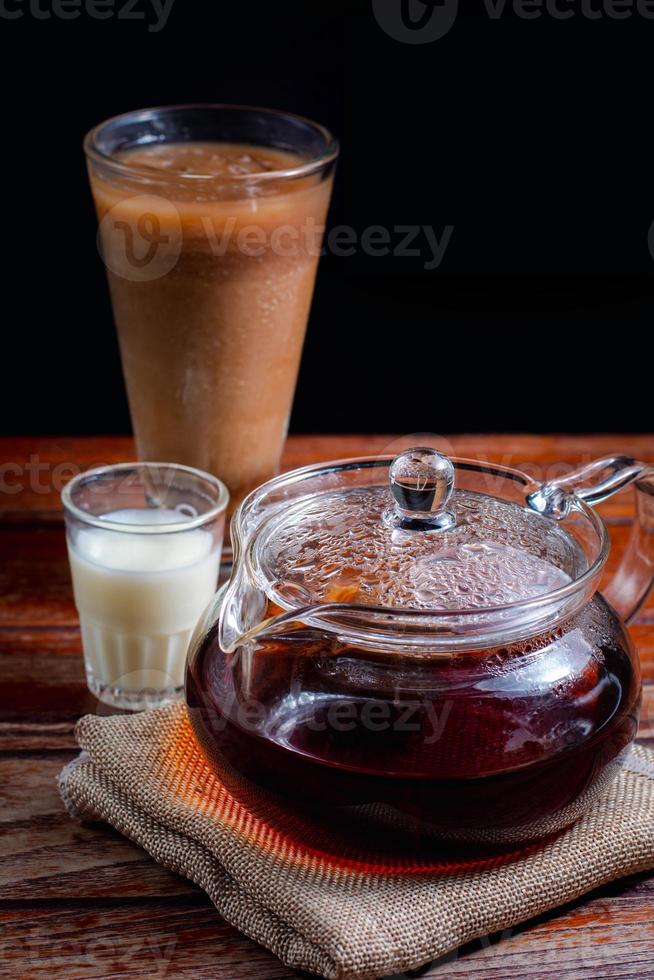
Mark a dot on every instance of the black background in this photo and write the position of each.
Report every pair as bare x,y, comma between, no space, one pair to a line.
533,138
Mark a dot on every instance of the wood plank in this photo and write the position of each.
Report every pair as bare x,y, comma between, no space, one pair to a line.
46,855
33,470
41,698
609,934
176,938
35,586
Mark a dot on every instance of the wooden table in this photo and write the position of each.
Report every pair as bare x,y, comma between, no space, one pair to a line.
80,900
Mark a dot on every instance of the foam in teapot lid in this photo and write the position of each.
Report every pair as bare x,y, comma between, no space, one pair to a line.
337,547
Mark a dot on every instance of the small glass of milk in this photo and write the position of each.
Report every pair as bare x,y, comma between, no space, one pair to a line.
144,543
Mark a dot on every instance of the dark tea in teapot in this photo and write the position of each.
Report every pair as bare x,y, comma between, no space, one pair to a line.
498,744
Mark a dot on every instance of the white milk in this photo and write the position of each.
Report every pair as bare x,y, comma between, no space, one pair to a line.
139,597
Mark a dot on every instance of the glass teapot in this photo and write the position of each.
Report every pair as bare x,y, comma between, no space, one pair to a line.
420,642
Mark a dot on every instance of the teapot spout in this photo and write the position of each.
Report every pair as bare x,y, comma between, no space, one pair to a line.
247,616
267,620
242,615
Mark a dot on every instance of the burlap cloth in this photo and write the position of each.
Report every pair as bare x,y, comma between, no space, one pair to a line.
338,916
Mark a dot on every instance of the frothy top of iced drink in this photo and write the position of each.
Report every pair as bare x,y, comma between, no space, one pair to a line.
227,160
218,171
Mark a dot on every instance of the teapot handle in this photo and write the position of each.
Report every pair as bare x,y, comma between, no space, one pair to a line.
633,580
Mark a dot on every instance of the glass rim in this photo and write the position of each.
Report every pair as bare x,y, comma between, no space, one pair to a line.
97,472
303,169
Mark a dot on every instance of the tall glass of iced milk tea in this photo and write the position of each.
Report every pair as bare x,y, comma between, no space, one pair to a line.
144,543
210,226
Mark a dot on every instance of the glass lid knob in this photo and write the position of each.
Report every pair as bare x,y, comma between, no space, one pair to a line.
421,481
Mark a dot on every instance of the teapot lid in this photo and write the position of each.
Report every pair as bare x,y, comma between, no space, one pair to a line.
417,542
